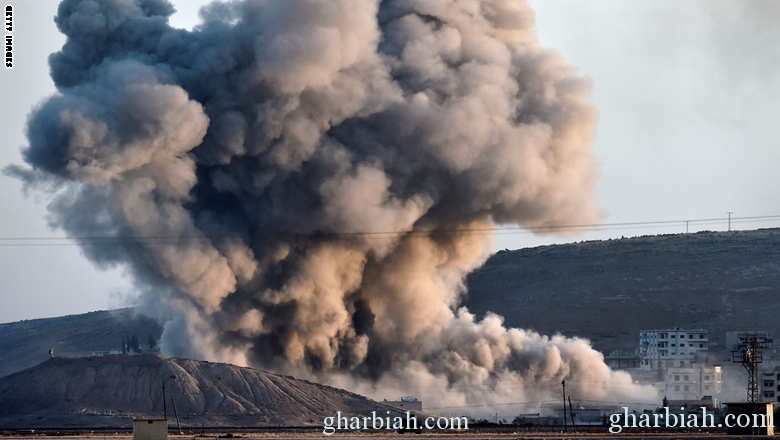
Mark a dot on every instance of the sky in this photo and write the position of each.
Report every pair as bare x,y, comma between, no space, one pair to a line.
688,93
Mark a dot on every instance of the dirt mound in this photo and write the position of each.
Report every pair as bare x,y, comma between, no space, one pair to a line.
108,390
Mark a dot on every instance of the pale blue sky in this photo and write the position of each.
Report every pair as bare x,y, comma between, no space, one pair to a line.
687,92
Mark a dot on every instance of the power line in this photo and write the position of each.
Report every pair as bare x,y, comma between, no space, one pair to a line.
21,240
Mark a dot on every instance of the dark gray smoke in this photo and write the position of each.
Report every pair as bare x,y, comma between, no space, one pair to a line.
306,183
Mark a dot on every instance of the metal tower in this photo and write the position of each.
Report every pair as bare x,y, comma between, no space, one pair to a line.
750,353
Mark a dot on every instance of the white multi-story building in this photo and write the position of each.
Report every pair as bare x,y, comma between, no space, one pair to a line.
668,348
693,383
769,384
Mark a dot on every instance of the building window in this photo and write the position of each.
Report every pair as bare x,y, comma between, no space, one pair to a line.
676,377
686,388
706,377
682,336
769,383
677,387
686,378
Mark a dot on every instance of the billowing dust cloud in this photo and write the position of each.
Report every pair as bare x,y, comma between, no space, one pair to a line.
305,184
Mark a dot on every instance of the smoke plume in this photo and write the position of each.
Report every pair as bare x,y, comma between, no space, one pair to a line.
305,183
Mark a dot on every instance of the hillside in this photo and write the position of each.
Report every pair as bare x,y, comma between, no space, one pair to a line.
609,290
27,343
603,290
107,390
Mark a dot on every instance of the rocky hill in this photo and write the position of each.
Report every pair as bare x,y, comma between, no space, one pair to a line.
608,290
24,344
106,391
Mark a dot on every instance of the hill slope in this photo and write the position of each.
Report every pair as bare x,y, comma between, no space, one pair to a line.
27,343
603,290
107,390
609,290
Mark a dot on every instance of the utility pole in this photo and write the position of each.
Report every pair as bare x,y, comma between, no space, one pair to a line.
730,212
165,405
565,423
176,414
571,414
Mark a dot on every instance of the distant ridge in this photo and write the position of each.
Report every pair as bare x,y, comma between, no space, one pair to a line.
105,391
605,291
24,344
608,290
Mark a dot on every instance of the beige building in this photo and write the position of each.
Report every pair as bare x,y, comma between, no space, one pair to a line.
150,429
693,383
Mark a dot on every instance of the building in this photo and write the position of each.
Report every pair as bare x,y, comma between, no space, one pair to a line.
587,415
692,408
622,359
407,403
692,383
145,428
769,384
667,348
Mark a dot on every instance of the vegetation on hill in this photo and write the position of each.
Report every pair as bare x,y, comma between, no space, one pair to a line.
608,290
